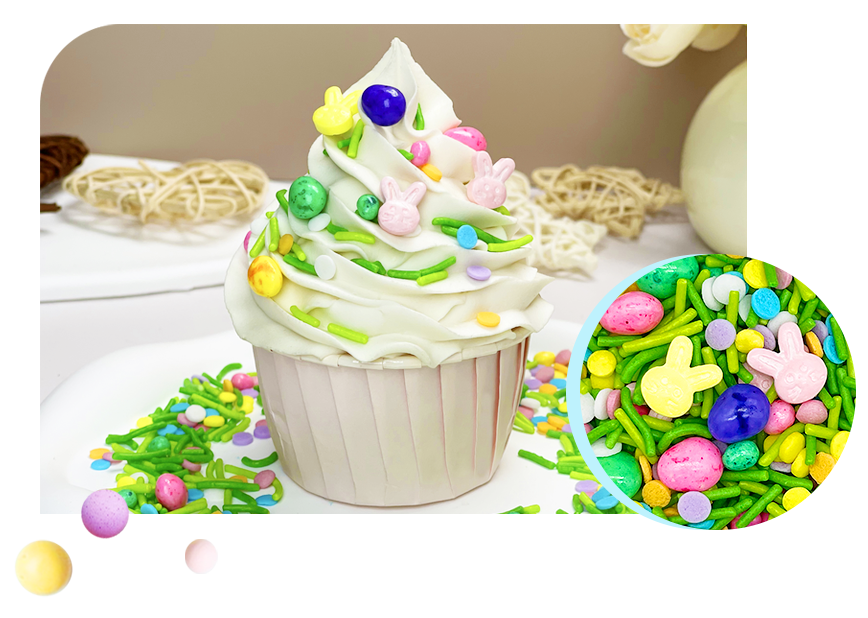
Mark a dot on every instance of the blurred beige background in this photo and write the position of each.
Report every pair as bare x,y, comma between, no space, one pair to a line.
543,95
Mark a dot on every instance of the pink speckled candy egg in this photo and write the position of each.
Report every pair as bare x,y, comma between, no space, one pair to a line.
812,411
691,465
105,513
633,313
421,152
171,491
781,416
468,136
242,381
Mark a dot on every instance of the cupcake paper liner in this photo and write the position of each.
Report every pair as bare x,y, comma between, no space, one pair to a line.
391,437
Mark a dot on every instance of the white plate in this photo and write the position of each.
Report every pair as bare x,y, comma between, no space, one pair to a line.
108,396
88,254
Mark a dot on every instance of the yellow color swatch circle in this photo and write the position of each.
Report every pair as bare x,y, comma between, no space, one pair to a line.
43,567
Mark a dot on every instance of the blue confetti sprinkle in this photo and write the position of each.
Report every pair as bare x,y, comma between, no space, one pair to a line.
179,407
100,464
211,412
194,494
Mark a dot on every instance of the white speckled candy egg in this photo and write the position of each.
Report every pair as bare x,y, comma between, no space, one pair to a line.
633,313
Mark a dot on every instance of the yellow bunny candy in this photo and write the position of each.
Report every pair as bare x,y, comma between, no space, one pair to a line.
669,389
336,116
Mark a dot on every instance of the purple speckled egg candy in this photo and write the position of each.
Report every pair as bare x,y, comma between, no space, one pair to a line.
105,513
171,491
693,464
633,313
812,411
242,381
781,416
741,412
720,334
468,136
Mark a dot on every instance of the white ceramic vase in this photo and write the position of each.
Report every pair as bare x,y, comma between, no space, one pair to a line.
714,165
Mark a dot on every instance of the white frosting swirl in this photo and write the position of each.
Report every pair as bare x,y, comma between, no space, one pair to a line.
434,323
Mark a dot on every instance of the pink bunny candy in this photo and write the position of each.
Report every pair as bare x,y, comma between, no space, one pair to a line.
487,188
799,375
399,214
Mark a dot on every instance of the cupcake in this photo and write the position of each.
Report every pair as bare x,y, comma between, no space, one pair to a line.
387,299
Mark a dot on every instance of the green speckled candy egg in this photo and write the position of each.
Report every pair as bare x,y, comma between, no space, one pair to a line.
661,281
624,470
368,206
740,455
307,197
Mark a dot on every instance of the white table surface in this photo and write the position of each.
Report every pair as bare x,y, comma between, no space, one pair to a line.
75,333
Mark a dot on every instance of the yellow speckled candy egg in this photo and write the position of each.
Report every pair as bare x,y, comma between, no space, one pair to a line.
794,497
265,276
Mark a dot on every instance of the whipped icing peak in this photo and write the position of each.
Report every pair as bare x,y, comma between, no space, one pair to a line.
399,283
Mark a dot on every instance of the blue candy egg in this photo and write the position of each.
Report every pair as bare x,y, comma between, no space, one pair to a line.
741,412
384,105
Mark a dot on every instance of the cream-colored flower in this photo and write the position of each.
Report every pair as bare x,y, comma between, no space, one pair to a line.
714,36
654,45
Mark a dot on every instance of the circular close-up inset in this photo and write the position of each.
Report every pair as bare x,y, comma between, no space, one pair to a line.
718,392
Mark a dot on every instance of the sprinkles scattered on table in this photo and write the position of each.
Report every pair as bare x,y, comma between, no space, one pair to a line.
718,391
167,463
